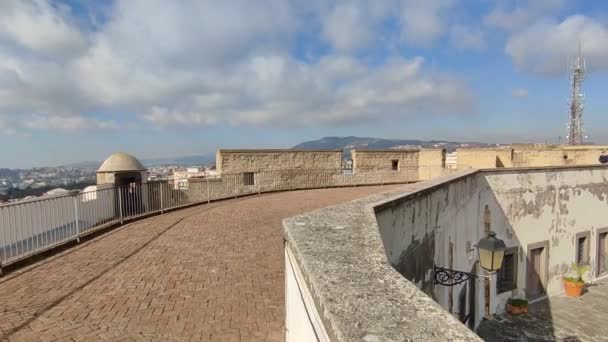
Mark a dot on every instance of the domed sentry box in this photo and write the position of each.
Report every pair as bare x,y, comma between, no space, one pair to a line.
126,175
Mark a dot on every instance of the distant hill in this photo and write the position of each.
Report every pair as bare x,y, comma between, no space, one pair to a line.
349,143
181,161
85,165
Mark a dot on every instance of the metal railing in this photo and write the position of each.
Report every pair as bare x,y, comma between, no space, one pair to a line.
33,226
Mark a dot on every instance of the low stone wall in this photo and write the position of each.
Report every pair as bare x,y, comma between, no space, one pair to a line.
239,161
200,189
483,158
418,164
528,156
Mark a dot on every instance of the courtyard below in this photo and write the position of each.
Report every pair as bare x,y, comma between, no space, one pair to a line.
558,318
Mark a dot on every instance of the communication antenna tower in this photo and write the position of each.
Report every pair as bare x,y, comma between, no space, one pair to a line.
575,126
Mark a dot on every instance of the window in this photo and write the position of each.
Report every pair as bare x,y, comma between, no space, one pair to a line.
602,247
487,219
507,275
582,248
249,178
395,164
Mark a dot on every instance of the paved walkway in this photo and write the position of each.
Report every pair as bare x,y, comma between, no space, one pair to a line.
559,318
209,273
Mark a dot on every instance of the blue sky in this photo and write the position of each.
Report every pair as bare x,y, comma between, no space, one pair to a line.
82,79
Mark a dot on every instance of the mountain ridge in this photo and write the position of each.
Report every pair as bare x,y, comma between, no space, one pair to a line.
348,143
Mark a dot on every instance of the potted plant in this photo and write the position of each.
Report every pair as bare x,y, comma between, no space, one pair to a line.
574,285
516,306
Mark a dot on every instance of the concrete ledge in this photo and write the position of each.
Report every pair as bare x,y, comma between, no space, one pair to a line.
359,296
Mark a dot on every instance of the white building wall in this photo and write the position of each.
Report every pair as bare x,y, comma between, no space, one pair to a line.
302,322
525,207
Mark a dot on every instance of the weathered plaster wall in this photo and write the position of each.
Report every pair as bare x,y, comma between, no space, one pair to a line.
239,161
524,207
535,206
417,231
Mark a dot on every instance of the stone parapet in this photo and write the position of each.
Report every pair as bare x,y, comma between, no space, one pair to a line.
357,295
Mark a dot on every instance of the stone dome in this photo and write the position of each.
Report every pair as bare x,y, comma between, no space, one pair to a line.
121,162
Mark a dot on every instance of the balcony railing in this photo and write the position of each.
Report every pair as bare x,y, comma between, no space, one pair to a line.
33,226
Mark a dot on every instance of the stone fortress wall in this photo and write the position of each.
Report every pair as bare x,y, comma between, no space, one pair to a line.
251,170
259,170
418,164
239,161
528,155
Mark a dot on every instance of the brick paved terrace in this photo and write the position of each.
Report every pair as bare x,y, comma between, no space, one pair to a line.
213,272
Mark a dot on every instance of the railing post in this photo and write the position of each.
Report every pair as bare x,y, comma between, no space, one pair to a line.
208,196
76,218
162,207
120,204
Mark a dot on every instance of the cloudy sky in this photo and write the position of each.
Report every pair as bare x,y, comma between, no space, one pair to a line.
82,79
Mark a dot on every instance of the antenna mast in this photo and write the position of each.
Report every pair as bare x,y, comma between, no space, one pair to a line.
575,127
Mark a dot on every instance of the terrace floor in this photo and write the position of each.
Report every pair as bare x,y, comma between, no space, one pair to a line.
558,318
213,272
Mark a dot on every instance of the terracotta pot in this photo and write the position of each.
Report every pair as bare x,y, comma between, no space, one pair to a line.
516,310
573,289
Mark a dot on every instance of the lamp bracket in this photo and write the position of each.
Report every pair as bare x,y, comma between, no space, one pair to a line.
447,277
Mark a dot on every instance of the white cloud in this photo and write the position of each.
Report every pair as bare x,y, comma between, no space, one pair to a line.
36,25
514,15
12,125
423,21
280,90
208,62
547,47
466,38
67,123
351,25
519,92
347,27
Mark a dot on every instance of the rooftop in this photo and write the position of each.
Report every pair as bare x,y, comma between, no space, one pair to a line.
212,272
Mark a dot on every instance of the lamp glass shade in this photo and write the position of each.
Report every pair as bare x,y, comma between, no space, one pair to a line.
491,252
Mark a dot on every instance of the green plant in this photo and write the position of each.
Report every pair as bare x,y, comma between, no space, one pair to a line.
518,302
580,270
